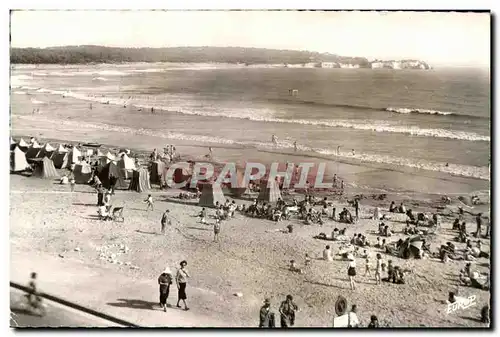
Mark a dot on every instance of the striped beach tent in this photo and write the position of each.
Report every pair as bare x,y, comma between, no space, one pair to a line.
269,193
44,168
140,181
211,194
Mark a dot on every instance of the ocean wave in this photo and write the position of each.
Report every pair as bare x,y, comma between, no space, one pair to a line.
388,109
420,111
248,114
34,101
454,169
19,92
99,79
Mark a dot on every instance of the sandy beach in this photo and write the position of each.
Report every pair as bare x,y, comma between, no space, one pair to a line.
49,222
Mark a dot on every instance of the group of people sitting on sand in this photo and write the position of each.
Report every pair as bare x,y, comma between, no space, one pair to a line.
169,154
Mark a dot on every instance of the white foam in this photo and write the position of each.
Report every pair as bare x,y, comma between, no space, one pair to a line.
34,101
422,111
99,79
19,92
454,169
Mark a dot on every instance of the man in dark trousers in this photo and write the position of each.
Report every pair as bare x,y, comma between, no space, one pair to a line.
287,312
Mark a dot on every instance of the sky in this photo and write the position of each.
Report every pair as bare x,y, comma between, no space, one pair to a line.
457,39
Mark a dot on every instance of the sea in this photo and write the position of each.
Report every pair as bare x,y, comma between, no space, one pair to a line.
434,120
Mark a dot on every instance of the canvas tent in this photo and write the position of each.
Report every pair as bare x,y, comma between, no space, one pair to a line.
99,153
46,151
61,149
13,144
210,194
112,170
82,173
104,160
140,181
271,193
240,187
44,168
60,159
74,155
126,165
18,162
411,247
156,172
22,144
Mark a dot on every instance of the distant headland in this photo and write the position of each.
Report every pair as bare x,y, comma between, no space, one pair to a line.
235,55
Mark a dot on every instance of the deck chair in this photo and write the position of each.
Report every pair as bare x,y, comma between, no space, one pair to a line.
117,214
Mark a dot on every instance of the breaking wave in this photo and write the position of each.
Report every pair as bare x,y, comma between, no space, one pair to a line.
454,169
368,125
421,111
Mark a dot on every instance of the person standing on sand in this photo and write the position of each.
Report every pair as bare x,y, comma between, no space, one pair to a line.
149,202
287,312
334,181
203,215
165,220
295,146
351,271
356,207
367,266
72,182
479,223
378,271
165,280
216,230
266,316
181,280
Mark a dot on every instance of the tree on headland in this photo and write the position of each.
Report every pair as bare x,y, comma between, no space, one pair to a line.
101,54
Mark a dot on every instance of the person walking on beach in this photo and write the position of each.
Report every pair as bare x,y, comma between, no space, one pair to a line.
216,230
149,202
72,182
378,270
274,139
356,207
287,312
351,271
181,280
165,220
266,316
367,266
479,223
165,280
295,146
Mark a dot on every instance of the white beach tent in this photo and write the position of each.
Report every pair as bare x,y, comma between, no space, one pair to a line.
126,165
18,161
61,149
22,143
99,153
104,160
34,145
74,155
12,141
48,148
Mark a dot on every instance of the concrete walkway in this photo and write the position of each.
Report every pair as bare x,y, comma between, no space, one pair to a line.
105,290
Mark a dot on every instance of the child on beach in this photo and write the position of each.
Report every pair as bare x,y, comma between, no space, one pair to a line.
165,220
202,215
149,202
378,270
367,266
216,230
